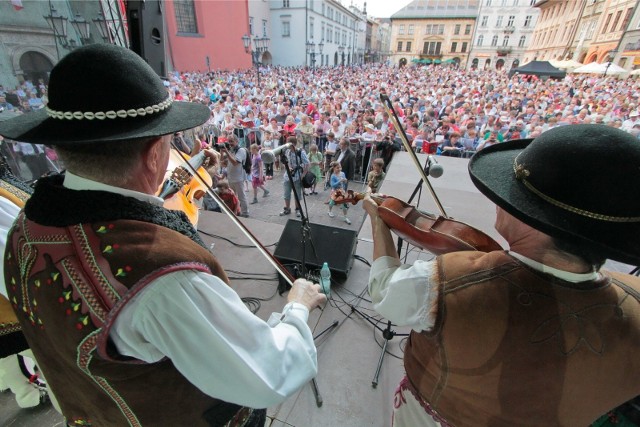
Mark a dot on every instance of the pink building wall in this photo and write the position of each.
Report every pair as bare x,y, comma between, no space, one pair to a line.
221,25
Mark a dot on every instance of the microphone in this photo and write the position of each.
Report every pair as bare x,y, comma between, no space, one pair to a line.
435,169
269,156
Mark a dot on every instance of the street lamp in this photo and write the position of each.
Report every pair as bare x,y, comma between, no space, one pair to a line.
320,47
58,24
612,54
82,27
256,49
311,51
341,50
103,26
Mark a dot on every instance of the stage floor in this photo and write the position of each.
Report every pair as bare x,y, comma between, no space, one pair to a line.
348,354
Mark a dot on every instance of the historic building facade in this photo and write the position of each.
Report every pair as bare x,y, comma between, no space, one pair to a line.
433,31
614,21
556,28
503,32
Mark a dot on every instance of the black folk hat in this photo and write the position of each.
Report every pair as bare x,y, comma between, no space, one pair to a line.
580,183
101,93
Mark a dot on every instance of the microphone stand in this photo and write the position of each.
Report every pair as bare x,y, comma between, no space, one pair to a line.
305,231
389,333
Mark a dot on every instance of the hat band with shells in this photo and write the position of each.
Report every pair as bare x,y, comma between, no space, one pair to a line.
101,115
521,173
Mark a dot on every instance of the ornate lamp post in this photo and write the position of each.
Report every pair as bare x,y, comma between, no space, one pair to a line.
82,27
320,47
103,26
311,51
256,49
58,24
612,54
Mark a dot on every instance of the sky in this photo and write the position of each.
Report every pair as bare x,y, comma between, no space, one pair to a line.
380,8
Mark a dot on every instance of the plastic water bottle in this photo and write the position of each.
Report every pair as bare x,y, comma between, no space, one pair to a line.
325,279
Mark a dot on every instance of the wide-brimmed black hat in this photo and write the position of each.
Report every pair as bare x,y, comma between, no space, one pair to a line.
580,183
103,92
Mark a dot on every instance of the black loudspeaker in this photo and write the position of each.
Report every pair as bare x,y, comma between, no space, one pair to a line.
333,245
146,32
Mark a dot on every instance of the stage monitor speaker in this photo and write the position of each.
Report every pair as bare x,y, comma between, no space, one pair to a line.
333,245
146,32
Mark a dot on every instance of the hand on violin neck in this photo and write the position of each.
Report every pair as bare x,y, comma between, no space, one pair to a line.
306,293
370,206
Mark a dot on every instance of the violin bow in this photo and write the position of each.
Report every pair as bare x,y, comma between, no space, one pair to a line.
386,104
272,260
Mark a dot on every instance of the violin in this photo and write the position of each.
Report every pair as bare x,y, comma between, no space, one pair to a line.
437,233
181,190
204,183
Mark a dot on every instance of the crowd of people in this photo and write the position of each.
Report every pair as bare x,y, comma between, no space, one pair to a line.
119,293
443,110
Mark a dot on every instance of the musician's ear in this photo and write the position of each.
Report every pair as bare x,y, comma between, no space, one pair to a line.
155,156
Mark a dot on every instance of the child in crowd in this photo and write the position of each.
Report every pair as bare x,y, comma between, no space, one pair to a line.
376,175
228,196
315,160
257,173
338,188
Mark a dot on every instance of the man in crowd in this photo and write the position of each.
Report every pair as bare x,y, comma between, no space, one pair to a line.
235,172
298,164
538,334
123,306
347,159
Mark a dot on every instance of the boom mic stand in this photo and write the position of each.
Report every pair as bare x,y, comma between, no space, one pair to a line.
305,228
305,232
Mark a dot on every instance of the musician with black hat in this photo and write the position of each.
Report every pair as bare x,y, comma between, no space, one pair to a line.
123,306
538,334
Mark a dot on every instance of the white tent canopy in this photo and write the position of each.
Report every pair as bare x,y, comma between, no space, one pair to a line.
568,64
595,68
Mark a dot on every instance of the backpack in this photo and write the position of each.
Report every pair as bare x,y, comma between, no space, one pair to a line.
247,161
308,180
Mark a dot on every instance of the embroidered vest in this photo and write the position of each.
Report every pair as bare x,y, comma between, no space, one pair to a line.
69,278
512,346
12,340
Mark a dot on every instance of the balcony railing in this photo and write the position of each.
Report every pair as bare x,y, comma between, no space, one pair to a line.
504,50
509,30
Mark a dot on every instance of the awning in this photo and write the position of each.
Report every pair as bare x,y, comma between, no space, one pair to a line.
437,61
426,61
449,61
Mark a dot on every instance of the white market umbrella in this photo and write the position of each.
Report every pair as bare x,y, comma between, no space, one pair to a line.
591,68
635,72
594,68
568,64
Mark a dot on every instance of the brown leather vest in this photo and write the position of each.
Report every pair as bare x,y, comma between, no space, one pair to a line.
68,284
514,347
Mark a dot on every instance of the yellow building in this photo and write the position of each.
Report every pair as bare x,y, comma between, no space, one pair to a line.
433,31
613,24
555,30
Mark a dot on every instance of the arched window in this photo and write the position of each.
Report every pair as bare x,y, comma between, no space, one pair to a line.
480,40
494,41
505,41
522,41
